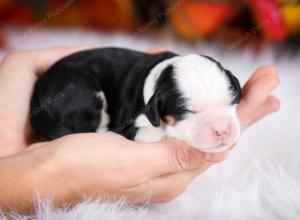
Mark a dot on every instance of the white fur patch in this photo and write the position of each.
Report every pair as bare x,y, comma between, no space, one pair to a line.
104,116
142,121
202,82
147,132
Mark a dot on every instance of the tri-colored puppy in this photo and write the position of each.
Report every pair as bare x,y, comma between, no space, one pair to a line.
140,96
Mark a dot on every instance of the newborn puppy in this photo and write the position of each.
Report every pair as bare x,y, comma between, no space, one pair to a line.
140,96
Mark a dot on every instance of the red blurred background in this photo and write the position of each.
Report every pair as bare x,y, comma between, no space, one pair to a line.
231,22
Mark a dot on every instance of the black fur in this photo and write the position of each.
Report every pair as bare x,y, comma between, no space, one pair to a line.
64,99
167,99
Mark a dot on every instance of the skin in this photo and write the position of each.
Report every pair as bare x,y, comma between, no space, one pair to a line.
90,165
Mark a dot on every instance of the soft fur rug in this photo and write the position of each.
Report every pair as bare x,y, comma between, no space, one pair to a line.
260,179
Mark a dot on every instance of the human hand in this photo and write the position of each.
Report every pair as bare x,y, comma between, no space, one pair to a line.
257,101
162,170
18,73
111,166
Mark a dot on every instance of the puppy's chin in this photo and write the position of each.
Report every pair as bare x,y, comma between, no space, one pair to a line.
216,149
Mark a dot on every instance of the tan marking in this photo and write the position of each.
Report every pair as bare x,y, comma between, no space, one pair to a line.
170,120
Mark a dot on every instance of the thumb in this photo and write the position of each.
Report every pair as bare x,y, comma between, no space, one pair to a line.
174,156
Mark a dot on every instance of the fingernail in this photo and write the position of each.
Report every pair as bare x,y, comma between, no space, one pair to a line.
216,157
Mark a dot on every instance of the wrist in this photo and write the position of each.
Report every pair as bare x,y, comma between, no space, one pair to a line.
31,176
19,181
50,178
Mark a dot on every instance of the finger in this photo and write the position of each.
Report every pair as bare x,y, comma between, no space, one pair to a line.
167,187
260,85
261,72
173,156
158,50
255,93
161,189
44,58
270,106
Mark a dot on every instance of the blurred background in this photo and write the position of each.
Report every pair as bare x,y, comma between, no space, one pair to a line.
232,24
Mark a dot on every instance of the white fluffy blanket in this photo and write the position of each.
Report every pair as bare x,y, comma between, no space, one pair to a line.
260,179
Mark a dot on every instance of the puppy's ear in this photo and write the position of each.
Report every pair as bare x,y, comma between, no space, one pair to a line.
152,110
235,87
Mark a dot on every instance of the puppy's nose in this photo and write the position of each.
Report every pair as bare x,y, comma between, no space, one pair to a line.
222,133
221,129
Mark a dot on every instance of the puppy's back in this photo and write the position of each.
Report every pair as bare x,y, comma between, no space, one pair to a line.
65,99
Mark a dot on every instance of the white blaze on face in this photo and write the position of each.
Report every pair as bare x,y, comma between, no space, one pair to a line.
213,126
